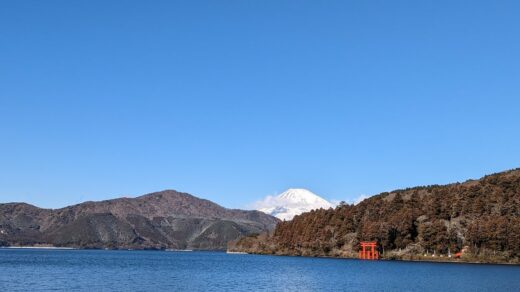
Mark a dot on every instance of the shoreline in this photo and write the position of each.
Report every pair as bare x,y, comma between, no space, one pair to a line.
278,255
108,249
393,260
236,252
37,247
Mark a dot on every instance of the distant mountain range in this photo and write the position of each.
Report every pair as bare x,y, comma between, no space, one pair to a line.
291,203
160,220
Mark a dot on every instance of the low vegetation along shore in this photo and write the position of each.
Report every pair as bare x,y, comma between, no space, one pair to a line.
478,219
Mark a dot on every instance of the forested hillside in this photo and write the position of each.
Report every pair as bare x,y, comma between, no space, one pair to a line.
479,216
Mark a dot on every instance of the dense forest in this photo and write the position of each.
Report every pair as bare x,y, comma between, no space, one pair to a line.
480,217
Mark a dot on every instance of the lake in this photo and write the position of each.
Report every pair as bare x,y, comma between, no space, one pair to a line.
100,270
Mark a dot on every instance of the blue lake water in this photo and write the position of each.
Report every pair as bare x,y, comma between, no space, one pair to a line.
100,270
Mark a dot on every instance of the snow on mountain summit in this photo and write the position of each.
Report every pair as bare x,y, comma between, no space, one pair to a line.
302,195
291,203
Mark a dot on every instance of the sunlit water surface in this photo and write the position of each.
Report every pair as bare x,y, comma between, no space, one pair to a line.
100,270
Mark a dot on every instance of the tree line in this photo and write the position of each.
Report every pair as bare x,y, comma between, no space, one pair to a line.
481,215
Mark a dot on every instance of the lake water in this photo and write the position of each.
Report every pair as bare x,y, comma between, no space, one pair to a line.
99,270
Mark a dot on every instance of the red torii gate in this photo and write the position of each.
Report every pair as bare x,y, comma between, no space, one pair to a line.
368,250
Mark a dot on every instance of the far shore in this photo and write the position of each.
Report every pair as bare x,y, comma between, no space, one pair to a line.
36,247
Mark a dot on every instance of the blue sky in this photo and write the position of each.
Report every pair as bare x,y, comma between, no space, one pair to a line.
235,100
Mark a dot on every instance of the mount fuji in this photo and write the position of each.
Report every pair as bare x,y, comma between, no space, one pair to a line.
291,203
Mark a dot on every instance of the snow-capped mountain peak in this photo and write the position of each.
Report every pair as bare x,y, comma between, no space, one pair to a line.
291,203
302,195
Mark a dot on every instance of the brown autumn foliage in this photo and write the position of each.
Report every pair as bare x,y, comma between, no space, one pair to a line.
481,214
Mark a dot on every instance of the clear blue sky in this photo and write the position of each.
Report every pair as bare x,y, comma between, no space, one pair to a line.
235,100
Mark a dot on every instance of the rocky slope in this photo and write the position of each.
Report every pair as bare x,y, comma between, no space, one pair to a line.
481,217
166,219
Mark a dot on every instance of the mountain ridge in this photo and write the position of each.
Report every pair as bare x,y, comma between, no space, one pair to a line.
158,220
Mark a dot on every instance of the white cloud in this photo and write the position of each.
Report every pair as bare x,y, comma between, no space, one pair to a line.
266,202
359,199
335,202
355,201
